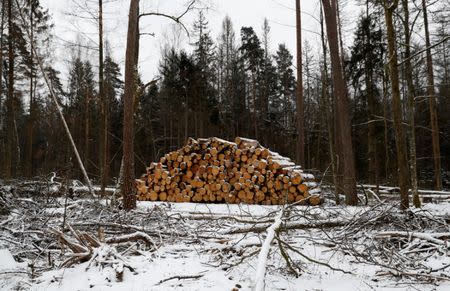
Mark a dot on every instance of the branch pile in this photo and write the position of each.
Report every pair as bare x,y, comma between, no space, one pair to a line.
215,170
403,244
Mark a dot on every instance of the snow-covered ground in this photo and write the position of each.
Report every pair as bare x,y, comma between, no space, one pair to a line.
217,247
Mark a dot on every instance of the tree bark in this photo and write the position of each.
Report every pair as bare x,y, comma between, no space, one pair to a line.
30,129
432,102
255,106
372,152
10,98
2,38
385,123
411,106
104,147
128,189
339,27
86,127
328,107
342,114
400,142
300,100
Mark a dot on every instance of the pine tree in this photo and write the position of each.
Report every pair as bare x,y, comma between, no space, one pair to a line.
286,86
204,56
226,58
81,96
267,83
252,55
38,28
364,66
112,89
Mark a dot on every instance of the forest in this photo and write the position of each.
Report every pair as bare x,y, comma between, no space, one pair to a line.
360,114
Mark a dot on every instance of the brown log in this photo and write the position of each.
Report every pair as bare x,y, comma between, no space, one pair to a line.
314,200
163,196
302,188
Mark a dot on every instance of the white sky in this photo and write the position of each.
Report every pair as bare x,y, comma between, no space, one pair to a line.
242,12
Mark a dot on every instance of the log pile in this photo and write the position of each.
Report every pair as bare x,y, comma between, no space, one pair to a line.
218,171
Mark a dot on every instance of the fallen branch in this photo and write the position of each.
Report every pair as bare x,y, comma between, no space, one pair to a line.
262,258
132,237
289,226
180,278
436,238
89,248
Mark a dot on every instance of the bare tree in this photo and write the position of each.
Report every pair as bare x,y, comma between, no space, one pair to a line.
300,99
411,105
344,148
10,96
328,105
432,101
2,38
131,93
30,127
104,148
128,189
400,142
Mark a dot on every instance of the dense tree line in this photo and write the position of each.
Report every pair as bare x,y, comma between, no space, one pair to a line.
235,84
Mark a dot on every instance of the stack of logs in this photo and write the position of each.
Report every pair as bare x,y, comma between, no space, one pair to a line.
218,171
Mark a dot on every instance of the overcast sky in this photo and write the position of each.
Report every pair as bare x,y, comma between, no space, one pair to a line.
280,13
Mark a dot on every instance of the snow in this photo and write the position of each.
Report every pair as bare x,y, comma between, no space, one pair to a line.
256,262
441,209
241,210
7,261
149,272
12,274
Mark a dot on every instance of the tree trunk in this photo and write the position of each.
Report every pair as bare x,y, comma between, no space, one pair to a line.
30,129
329,107
371,104
342,114
255,118
411,109
186,116
386,124
300,101
372,142
2,36
400,142
337,139
339,27
86,128
432,101
10,99
104,146
128,189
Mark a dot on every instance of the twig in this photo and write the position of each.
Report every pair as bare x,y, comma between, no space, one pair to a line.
180,278
313,260
285,255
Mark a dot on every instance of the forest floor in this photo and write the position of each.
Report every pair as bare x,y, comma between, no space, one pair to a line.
50,242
